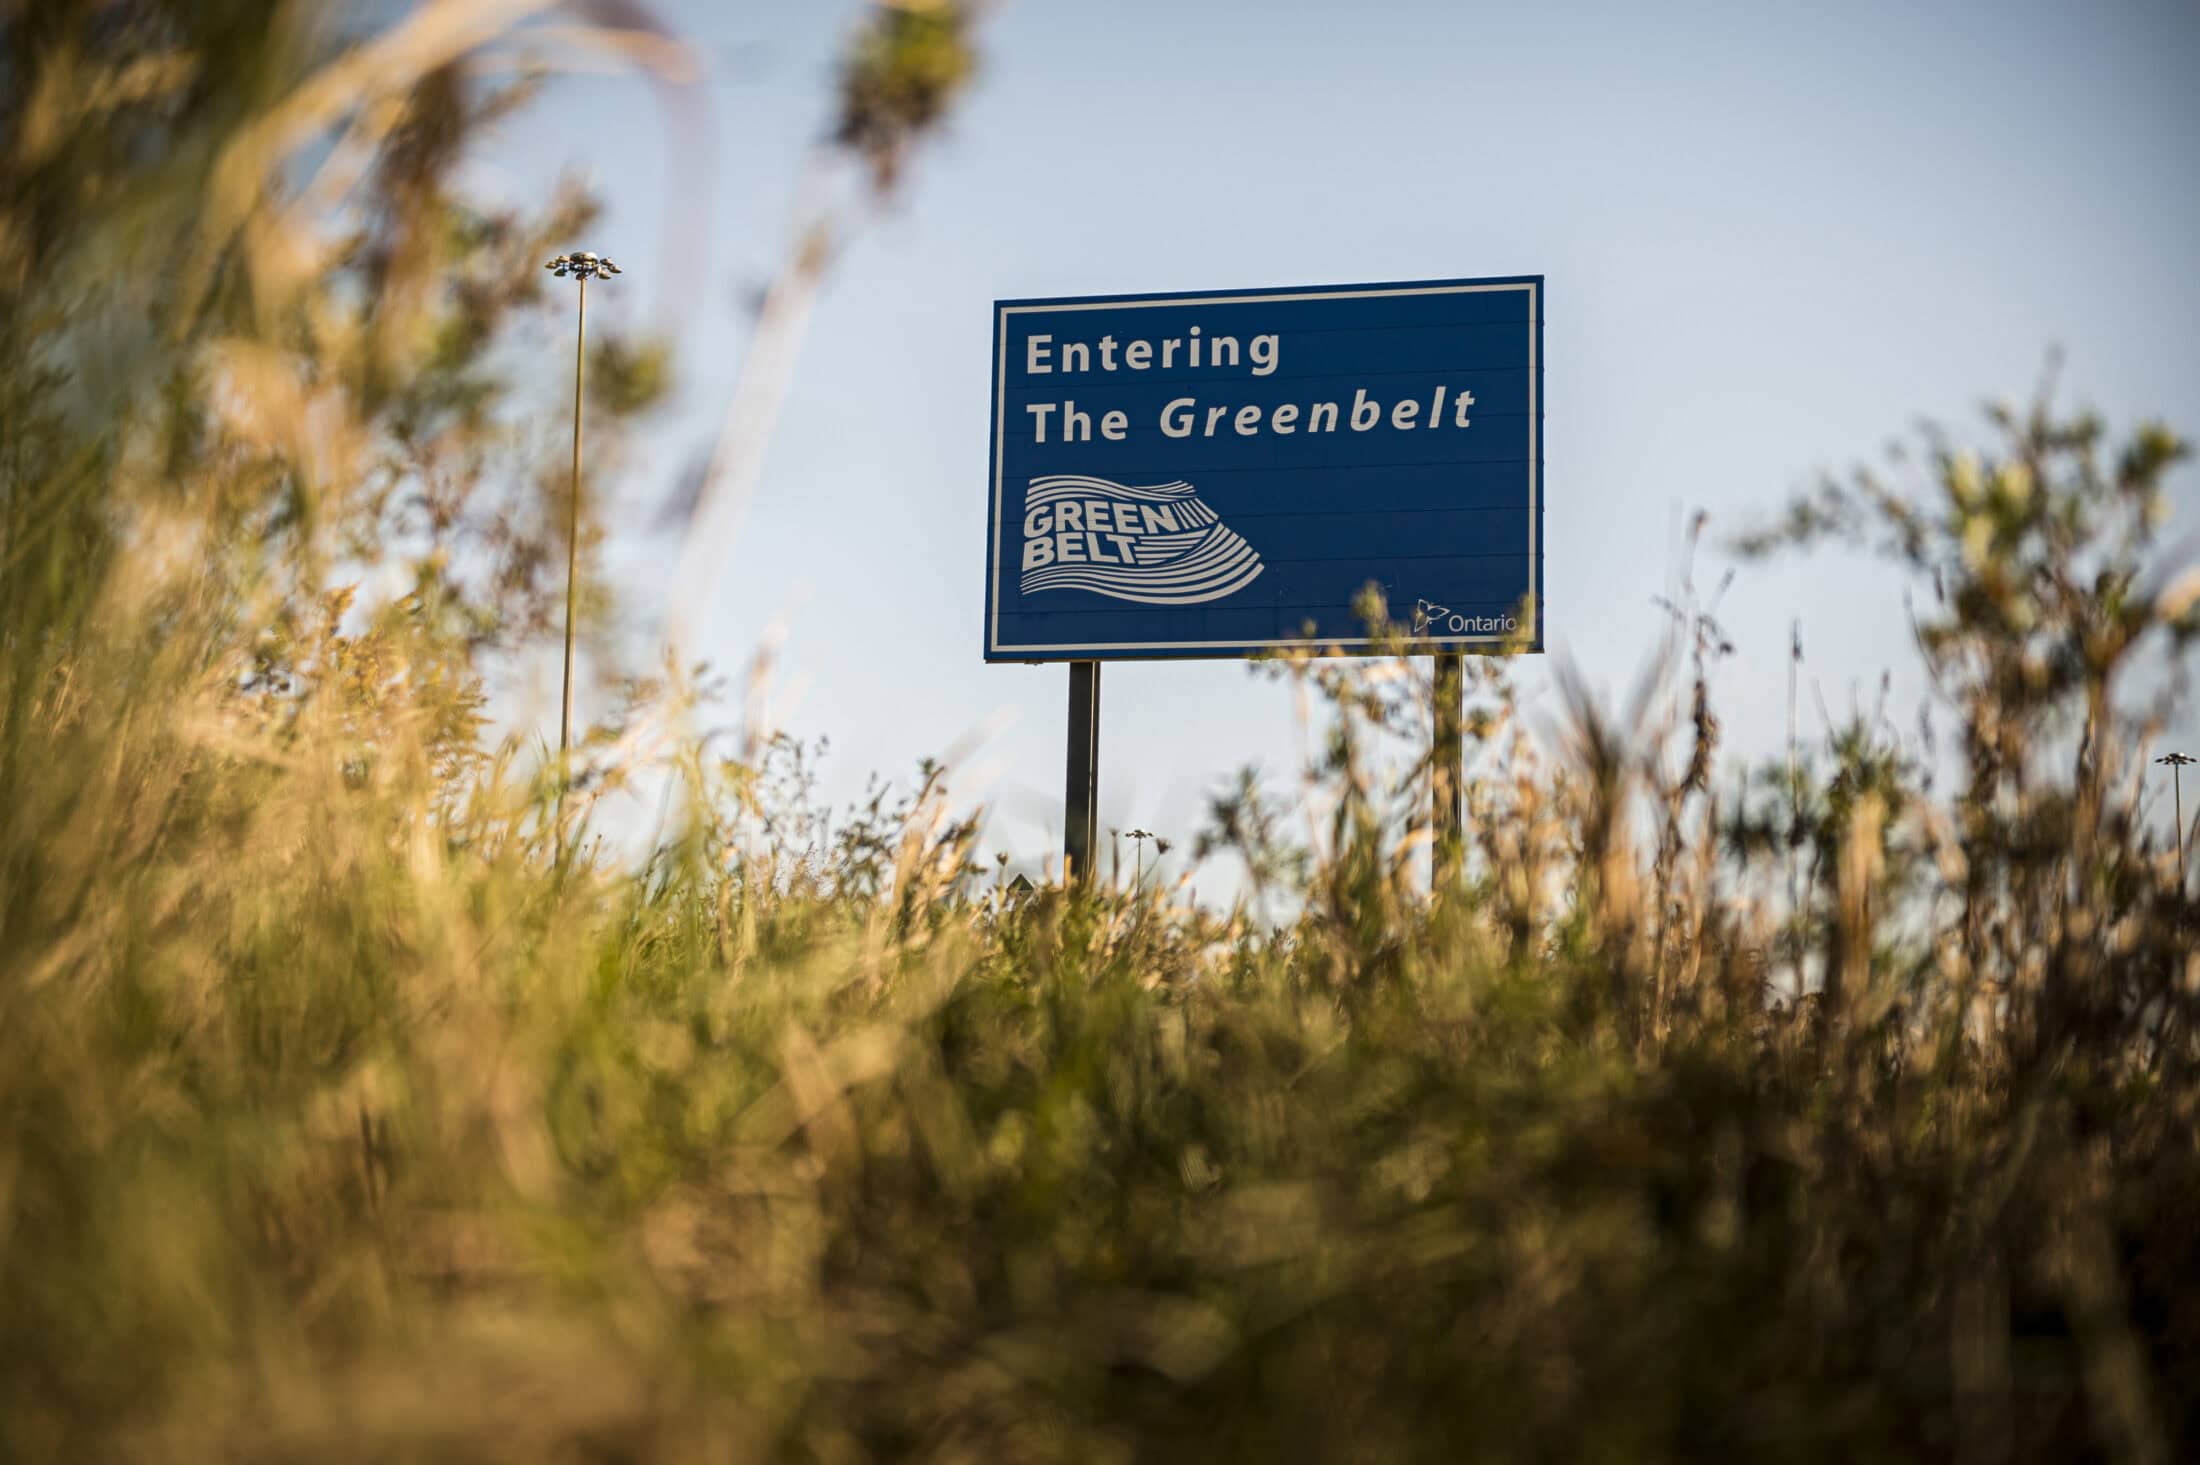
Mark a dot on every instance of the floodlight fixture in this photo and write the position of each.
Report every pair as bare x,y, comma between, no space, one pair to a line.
583,266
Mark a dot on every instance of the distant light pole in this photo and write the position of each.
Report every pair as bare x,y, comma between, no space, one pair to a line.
582,267
2177,762
1161,847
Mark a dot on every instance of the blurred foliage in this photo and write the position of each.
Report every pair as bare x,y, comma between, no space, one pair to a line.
903,71
1818,1115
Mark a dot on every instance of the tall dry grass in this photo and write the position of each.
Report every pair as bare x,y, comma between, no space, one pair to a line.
1840,1110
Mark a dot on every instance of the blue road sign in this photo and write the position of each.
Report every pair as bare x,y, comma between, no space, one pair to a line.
1220,473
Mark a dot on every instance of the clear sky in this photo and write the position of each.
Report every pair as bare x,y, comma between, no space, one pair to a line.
1775,236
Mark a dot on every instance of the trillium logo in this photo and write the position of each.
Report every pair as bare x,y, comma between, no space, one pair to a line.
1429,618
1158,545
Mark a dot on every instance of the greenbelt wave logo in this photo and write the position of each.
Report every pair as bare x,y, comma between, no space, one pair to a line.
1158,545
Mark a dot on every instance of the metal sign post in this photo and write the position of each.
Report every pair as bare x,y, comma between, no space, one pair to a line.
1081,793
1447,769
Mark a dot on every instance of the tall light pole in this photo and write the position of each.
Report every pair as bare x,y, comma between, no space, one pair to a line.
1138,872
2177,762
582,267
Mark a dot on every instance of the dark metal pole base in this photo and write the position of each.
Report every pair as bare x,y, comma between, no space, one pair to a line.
1448,781
1081,794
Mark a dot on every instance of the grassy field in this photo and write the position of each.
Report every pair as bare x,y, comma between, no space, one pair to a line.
1837,1110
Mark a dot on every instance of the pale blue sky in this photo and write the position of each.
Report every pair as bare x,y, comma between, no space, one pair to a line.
1774,235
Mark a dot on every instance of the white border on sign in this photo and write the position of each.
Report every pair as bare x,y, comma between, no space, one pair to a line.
1000,443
